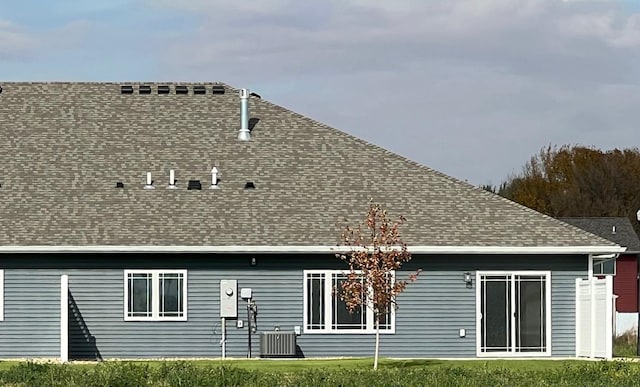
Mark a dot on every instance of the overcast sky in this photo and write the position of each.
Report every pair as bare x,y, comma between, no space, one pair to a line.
472,88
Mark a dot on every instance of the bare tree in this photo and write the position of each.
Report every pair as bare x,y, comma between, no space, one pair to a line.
376,251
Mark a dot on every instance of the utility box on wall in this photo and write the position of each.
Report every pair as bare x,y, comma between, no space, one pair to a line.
229,298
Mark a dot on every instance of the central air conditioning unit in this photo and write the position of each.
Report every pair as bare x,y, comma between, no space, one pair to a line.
277,344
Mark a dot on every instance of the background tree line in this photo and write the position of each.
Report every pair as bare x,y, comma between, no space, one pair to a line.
571,181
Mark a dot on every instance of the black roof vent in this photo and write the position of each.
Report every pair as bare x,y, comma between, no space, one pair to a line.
255,95
0,89
163,89
217,89
249,185
194,184
199,89
182,89
126,89
144,89
119,184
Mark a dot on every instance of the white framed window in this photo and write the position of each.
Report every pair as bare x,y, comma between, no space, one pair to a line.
325,312
155,295
604,267
513,313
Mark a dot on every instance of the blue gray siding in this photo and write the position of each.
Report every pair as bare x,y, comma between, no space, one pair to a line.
432,309
31,326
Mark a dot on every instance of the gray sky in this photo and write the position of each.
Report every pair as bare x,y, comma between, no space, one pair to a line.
472,88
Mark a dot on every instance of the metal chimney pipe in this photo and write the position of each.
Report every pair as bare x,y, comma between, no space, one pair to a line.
149,184
172,179
214,178
244,134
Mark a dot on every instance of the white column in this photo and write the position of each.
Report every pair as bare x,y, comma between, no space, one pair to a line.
64,318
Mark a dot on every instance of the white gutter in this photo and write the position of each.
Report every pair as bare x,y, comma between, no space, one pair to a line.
594,250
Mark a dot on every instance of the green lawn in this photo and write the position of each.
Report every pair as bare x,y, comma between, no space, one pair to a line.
351,363
356,363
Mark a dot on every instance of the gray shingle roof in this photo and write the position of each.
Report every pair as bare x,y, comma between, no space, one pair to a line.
624,234
63,147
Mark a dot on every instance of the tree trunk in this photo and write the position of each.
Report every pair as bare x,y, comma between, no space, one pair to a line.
375,357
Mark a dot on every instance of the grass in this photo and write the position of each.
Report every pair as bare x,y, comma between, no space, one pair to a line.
287,365
625,345
326,372
364,363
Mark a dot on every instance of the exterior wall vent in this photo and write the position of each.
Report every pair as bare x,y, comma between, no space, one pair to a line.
163,89
149,184
182,89
194,185
199,89
244,134
144,89
172,180
217,89
126,89
249,185
119,184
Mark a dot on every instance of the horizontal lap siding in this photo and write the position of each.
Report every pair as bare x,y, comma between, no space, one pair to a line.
31,326
432,309
625,284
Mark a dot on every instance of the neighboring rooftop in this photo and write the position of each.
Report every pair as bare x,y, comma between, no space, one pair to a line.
65,146
615,229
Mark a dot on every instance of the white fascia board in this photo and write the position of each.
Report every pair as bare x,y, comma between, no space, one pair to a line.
593,250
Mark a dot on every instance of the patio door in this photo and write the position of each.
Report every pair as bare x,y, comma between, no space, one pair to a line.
513,313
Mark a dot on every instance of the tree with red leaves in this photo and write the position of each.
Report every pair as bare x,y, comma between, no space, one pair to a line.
375,251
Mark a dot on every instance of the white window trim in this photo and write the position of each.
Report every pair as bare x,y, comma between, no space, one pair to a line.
155,298
599,263
328,294
548,327
1,295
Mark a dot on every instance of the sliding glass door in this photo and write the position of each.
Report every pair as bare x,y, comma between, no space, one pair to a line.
513,312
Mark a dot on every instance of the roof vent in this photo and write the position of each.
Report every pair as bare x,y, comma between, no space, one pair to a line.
214,178
194,184
249,185
163,89
613,230
144,89
255,95
149,184
182,89
126,89
0,89
217,89
119,184
244,134
172,180
199,89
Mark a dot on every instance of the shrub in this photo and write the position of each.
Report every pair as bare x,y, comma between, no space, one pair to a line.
190,374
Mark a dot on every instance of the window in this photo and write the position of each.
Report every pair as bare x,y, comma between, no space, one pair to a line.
154,295
325,312
513,313
604,267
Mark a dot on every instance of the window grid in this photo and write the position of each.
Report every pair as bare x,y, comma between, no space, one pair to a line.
326,313
155,295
